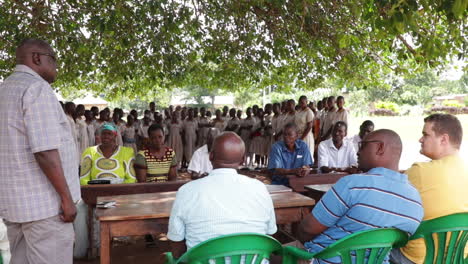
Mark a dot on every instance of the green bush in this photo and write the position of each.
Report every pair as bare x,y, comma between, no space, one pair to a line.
452,103
388,105
466,101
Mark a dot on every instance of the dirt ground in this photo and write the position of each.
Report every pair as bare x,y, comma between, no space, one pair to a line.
135,251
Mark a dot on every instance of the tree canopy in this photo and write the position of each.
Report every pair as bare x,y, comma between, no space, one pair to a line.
131,47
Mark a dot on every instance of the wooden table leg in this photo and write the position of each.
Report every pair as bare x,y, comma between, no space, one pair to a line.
91,246
105,243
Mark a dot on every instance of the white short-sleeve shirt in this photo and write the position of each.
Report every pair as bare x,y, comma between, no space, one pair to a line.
200,161
355,140
330,156
222,203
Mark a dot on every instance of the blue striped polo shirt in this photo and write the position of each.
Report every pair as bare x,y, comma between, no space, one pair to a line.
377,199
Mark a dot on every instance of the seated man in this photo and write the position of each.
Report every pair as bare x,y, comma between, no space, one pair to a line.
441,182
224,202
290,156
337,154
200,164
365,128
380,197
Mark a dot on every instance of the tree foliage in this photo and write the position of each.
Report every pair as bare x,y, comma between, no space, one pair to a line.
126,48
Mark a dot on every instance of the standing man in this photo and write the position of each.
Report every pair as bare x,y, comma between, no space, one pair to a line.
152,109
341,112
329,119
234,123
39,182
441,182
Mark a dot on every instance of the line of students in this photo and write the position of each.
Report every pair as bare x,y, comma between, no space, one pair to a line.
185,129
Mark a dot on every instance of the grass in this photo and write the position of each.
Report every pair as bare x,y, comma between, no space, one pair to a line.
410,130
408,127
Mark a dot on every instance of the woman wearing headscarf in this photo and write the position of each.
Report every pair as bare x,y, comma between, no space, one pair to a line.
108,160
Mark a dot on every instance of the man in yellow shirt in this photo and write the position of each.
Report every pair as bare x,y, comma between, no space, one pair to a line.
441,182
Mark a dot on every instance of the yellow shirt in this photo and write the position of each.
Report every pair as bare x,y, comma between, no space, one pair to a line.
118,168
442,184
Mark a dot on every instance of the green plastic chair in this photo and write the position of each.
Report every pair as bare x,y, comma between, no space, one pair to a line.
375,244
453,228
250,246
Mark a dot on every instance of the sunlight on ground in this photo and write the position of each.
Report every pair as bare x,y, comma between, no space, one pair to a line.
409,128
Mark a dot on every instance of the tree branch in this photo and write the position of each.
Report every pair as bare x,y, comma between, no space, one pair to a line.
408,46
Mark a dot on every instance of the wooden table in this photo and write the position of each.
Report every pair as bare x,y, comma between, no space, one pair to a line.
298,183
141,214
272,188
90,194
316,191
319,187
254,173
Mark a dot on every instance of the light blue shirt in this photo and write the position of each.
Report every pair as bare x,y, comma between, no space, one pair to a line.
282,158
222,203
377,199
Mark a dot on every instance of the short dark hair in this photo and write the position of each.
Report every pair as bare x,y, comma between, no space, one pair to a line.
155,127
367,123
447,124
289,126
340,97
340,123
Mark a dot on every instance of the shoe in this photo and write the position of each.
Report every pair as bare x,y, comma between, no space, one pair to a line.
149,241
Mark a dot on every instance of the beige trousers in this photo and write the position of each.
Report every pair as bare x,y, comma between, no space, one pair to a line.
47,241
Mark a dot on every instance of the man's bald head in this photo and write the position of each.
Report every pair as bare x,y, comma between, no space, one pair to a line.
380,148
391,139
227,151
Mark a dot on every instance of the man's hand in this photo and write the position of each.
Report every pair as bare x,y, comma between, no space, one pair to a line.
325,169
68,213
301,172
50,164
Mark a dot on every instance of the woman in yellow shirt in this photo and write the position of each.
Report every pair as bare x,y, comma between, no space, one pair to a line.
157,162
107,161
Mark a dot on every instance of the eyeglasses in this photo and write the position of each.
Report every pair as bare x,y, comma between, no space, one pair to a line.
47,54
363,143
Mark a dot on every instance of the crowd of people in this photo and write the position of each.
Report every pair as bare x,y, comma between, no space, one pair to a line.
44,147
176,137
